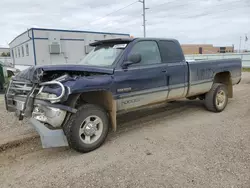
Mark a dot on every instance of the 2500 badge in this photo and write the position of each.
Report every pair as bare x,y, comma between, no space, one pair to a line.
130,101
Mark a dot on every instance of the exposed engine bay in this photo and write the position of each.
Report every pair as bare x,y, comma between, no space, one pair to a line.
41,93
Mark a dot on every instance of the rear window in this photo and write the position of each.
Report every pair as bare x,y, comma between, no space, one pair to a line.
170,52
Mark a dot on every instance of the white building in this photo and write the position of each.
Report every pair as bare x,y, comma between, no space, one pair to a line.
38,46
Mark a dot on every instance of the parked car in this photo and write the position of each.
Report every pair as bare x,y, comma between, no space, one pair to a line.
76,105
5,75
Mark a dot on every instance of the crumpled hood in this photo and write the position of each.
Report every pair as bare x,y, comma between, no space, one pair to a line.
34,73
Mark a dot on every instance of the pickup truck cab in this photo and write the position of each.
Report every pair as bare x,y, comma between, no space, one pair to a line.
76,105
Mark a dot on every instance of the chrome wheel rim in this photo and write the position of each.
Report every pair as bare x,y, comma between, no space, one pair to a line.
91,129
220,99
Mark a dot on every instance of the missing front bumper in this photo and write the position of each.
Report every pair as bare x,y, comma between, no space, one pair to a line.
49,138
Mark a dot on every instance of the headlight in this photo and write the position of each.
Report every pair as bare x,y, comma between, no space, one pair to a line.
50,115
47,96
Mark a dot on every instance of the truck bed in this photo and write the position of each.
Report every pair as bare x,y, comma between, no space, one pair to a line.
202,73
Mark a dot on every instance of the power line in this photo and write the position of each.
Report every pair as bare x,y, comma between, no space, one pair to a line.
113,12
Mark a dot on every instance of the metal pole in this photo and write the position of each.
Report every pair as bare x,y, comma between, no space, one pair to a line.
245,43
240,45
144,18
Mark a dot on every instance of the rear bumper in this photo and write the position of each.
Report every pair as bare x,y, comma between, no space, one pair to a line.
49,138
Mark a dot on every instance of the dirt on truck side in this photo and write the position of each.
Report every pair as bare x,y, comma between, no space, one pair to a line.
175,145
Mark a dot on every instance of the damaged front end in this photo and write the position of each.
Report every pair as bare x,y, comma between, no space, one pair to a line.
29,99
42,102
42,94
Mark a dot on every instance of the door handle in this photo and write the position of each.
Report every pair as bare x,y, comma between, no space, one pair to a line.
164,71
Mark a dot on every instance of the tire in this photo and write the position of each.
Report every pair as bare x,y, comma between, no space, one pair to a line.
212,103
77,129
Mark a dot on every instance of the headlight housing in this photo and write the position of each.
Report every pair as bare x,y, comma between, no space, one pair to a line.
47,96
50,115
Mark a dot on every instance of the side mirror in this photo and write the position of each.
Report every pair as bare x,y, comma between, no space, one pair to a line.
132,59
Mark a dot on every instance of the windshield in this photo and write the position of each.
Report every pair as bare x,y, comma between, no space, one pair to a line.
103,55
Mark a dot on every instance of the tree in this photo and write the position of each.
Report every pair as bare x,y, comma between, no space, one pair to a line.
5,54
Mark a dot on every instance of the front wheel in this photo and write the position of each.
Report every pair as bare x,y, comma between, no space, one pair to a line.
217,98
87,129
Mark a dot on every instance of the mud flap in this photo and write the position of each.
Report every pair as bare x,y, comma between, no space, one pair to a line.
110,105
49,138
112,112
105,99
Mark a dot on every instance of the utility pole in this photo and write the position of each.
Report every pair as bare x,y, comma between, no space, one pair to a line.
246,39
240,45
144,16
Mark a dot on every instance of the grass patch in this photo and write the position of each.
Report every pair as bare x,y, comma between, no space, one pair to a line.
245,69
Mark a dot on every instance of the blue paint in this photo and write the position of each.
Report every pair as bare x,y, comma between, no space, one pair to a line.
41,38
139,79
70,39
73,39
77,67
34,47
77,31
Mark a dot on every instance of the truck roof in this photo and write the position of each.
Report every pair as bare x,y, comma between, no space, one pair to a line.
126,40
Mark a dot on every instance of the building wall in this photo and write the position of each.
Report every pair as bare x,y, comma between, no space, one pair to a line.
205,49
72,45
22,42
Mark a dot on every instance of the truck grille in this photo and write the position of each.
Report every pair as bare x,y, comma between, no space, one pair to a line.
18,89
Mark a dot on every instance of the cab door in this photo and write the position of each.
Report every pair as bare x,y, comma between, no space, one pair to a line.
177,68
142,83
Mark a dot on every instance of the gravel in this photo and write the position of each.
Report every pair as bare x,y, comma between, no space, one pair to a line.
175,145
11,128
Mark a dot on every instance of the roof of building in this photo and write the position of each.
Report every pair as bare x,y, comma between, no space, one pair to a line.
65,30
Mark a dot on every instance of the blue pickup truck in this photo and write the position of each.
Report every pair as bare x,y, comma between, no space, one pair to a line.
75,105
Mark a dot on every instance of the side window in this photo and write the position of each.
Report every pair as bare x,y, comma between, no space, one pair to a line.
149,52
19,54
22,51
15,53
170,52
12,53
27,49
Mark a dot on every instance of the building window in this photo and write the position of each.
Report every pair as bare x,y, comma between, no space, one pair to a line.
27,49
15,53
19,54
22,51
12,53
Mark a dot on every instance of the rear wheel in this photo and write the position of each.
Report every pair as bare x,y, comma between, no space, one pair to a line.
217,98
88,128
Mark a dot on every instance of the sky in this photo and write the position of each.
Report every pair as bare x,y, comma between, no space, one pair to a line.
217,22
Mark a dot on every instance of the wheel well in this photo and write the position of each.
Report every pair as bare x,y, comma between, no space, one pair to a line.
225,78
101,98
